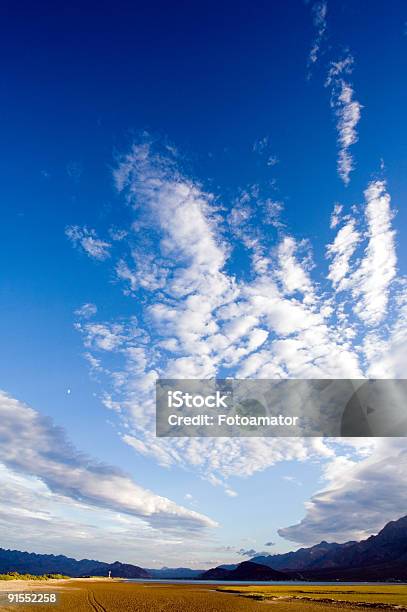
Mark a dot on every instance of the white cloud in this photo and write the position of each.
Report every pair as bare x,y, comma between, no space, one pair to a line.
347,111
251,552
293,276
87,240
86,311
336,215
44,452
58,525
144,273
341,251
263,149
249,213
374,488
206,320
387,356
344,66
261,145
117,234
108,336
319,15
364,268
273,211
372,280
274,322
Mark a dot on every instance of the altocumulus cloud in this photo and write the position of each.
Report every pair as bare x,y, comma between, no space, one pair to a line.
44,452
275,322
205,319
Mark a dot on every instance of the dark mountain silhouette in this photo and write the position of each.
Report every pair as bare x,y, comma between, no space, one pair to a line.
244,571
215,573
302,558
379,557
395,571
32,563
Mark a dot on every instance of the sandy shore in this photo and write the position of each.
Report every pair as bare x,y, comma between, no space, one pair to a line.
104,595
44,585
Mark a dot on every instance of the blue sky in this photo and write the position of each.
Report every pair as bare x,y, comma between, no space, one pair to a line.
224,188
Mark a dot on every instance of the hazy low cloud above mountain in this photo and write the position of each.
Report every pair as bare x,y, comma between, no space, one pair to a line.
45,453
60,523
375,490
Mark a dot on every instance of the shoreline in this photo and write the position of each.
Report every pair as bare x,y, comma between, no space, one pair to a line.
19,584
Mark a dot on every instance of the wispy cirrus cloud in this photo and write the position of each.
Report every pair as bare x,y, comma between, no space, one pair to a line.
347,111
319,19
262,147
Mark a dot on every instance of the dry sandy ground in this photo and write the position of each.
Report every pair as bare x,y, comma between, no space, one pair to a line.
27,585
115,596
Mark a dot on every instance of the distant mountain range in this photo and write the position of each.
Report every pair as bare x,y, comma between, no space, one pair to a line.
380,557
305,558
31,563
